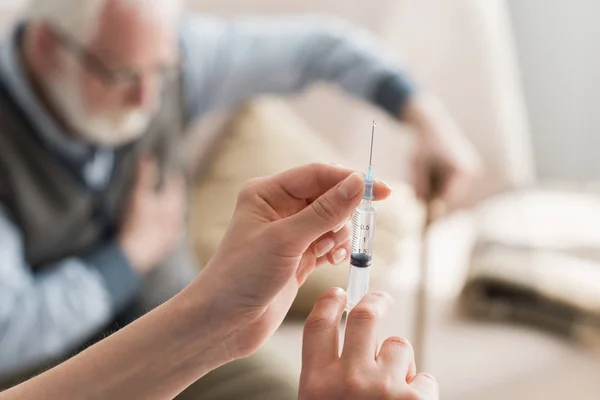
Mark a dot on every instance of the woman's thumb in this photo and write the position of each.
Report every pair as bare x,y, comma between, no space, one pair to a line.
328,211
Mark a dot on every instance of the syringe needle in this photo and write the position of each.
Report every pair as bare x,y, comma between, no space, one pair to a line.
372,139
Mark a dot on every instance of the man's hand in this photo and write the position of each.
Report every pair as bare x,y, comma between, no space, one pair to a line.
283,227
442,149
361,372
153,220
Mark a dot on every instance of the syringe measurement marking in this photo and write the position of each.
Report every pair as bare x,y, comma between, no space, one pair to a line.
355,235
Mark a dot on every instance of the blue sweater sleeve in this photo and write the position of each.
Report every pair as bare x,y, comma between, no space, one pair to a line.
45,315
227,62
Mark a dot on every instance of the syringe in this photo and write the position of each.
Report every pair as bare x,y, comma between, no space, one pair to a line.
362,239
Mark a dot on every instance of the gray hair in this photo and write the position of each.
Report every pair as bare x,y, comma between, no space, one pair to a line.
80,18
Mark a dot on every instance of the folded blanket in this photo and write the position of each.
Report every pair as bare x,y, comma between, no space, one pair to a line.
537,261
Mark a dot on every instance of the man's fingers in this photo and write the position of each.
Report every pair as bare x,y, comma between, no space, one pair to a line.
320,343
457,186
174,187
146,174
419,177
397,356
360,343
172,197
427,386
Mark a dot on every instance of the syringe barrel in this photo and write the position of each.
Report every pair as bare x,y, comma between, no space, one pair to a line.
363,228
362,250
358,286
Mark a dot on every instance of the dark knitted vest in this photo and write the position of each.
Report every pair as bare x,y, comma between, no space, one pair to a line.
58,214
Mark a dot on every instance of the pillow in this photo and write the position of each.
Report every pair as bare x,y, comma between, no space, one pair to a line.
264,137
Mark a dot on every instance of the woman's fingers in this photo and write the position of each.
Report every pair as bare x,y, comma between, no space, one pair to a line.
313,180
334,245
426,386
320,343
397,356
362,324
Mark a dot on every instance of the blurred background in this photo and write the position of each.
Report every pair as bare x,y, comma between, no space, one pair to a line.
514,270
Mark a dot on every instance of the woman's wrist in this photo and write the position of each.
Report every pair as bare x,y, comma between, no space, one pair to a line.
201,325
156,356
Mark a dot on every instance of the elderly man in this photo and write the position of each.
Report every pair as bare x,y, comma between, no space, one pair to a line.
95,96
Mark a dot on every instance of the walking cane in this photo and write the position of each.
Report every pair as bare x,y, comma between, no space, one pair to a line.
433,210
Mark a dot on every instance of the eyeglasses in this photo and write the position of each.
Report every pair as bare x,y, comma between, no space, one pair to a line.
111,77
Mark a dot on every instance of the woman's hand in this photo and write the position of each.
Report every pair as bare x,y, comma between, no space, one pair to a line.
363,371
283,227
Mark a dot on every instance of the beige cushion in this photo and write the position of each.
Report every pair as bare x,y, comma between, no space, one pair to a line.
266,137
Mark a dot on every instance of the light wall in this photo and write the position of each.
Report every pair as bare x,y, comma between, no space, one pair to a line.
559,49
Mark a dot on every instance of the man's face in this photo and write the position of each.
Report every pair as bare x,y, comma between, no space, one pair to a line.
109,90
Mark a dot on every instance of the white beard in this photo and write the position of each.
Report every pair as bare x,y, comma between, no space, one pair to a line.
109,129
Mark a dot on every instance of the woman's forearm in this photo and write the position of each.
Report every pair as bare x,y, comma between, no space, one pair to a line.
156,357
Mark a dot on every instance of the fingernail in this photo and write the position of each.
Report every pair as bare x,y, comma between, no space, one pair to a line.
352,186
343,224
384,295
426,375
386,185
339,256
339,227
323,247
339,292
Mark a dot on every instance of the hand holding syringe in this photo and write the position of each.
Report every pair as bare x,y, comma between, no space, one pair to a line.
362,239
